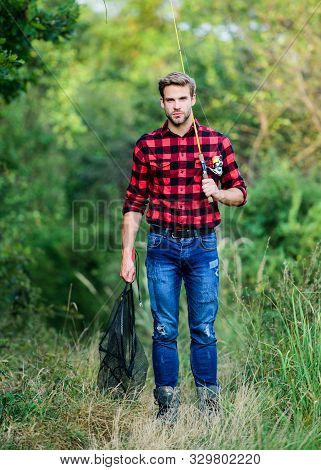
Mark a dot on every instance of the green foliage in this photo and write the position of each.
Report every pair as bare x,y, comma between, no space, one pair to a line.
69,138
284,339
280,223
21,22
270,381
16,255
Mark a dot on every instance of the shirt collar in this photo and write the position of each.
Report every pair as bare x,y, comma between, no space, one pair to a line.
165,130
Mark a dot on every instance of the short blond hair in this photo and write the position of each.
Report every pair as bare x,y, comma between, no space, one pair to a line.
177,78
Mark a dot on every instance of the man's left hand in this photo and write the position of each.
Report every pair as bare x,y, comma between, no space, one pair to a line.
210,188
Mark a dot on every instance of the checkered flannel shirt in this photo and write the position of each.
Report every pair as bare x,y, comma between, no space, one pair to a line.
167,173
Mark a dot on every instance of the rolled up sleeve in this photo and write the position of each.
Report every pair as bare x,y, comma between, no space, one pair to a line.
136,197
231,176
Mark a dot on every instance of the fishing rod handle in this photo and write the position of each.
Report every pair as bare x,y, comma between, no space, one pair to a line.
210,199
205,175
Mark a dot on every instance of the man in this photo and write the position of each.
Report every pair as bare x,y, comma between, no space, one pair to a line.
181,244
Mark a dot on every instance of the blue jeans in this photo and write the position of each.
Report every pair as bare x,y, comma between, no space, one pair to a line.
195,260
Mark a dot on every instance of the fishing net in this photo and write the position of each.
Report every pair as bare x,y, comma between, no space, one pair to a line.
123,362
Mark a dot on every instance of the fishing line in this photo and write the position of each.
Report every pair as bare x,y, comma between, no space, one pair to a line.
181,57
200,155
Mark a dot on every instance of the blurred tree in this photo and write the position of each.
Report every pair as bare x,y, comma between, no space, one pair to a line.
22,21
70,136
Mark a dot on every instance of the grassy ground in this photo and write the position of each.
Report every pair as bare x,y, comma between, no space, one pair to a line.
269,370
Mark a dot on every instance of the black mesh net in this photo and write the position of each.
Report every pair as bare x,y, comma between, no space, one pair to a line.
123,362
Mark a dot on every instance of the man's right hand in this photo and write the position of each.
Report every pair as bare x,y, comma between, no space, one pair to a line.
130,227
127,270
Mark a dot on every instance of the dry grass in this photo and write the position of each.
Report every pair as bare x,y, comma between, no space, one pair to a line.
70,413
269,377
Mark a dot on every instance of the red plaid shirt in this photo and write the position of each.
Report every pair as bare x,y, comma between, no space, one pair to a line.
167,173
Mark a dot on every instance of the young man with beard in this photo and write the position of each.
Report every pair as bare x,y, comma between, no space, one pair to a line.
181,244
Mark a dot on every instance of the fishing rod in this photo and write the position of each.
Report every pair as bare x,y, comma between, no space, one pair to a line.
200,154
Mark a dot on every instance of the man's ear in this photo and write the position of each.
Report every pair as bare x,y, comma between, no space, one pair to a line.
161,102
194,99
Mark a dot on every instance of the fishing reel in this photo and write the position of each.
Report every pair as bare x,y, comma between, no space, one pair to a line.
217,168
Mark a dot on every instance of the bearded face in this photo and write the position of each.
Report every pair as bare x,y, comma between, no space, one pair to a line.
177,103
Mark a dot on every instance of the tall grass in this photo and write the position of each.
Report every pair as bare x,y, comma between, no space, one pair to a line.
285,350
269,369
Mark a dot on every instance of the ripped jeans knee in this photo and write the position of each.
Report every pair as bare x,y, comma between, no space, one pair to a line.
164,333
203,333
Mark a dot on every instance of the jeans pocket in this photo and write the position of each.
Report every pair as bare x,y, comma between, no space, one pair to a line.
154,240
208,242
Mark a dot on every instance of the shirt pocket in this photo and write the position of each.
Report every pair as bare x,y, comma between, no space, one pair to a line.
161,171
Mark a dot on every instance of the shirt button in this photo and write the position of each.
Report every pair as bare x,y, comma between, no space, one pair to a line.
181,189
182,154
181,172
